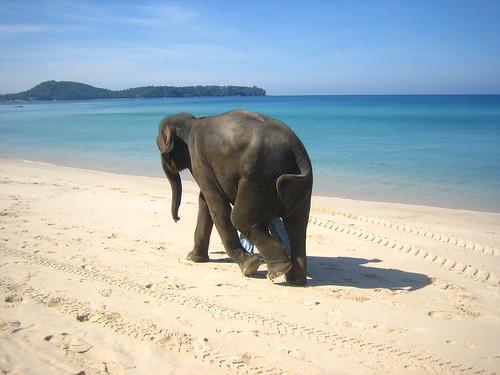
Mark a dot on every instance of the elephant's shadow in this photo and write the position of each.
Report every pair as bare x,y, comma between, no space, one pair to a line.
355,272
348,271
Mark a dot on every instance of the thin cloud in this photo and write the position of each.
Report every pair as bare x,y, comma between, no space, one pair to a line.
13,30
128,52
26,28
145,15
173,13
150,15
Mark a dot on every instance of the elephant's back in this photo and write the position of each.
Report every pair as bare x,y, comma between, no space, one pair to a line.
248,143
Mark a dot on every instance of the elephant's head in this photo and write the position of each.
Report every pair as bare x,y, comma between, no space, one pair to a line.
172,142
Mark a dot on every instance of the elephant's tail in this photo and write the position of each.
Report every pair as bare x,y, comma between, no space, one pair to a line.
294,190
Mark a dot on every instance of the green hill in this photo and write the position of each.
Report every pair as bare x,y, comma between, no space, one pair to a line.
65,90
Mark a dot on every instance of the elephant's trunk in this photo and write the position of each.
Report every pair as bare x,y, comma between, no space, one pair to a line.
175,183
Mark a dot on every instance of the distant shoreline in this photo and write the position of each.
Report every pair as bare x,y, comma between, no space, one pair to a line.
17,101
67,90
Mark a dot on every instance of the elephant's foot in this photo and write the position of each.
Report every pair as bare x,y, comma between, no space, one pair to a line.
277,269
197,257
249,265
292,278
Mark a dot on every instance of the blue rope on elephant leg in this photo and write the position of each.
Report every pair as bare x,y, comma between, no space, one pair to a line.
247,245
278,232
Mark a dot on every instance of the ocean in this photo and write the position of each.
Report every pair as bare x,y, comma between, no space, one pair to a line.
441,151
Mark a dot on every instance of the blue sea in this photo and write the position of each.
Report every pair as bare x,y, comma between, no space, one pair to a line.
439,151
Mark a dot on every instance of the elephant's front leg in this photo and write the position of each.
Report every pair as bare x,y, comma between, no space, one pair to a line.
202,232
220,211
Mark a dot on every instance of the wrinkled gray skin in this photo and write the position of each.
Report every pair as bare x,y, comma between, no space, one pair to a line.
250,169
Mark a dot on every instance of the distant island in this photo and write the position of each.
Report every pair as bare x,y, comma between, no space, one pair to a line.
66,90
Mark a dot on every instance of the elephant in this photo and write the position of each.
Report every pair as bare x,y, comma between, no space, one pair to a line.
250,169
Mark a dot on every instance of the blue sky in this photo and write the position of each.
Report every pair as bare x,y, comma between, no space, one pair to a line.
286,47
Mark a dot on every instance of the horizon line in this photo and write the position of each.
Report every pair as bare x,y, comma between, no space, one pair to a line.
251,96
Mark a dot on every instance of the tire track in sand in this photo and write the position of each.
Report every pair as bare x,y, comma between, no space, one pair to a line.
142,330
277,327
441,237
447,263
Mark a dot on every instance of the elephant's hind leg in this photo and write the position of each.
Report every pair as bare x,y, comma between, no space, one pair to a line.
273,252
251,216
296,227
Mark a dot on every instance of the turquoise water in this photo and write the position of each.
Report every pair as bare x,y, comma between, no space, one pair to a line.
435,150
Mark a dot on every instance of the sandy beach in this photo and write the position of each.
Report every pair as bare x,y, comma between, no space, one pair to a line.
93,280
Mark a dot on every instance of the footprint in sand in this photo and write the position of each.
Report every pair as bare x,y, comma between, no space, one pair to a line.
294,353
461,343
184,321
83,317
386,329
6,326
249,359
442,315
68,342
346,294
229,285
174,286
13,299
230,332
186,262
94,359
162,247
311,303
106,292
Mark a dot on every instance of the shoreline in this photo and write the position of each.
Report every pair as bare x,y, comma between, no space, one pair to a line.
188,178
363,149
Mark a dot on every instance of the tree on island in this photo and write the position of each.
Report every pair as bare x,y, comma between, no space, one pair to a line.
66,90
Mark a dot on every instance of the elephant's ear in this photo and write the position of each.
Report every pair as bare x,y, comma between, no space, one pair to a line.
165,140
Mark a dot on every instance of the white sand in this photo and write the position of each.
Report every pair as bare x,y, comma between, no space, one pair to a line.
93,279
